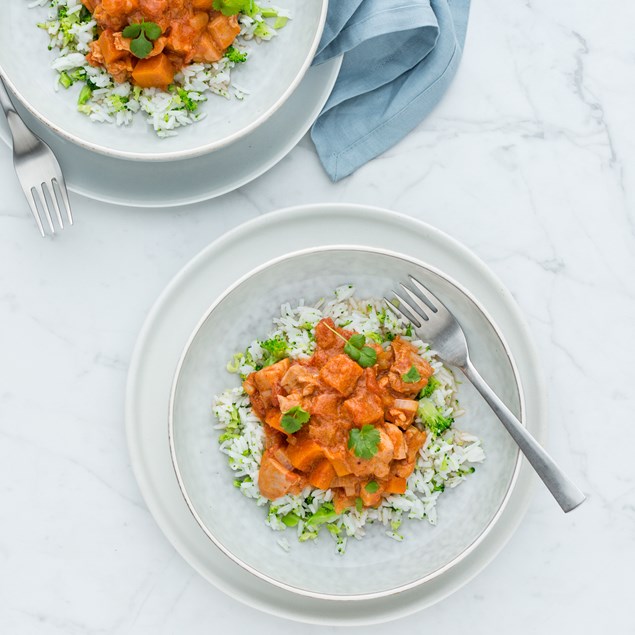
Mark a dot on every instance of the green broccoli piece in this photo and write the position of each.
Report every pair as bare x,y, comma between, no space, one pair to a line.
325,514
430,387
85,95
275,350
432,417
188,103
234,55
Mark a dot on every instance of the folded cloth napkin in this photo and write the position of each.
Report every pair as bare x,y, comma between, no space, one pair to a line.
399,58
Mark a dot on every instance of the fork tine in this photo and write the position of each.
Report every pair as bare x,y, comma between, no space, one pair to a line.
404,313
45,207
61,184
50,190
421,307
32,201
425,294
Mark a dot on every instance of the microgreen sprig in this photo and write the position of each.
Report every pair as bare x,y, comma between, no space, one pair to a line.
142,35
356,349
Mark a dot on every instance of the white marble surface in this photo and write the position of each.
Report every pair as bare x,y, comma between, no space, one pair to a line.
530,161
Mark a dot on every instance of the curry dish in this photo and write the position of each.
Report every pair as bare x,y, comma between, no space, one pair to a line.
339,396
190,31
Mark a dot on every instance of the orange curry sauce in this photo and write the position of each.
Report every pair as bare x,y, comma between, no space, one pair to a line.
191,32
339,395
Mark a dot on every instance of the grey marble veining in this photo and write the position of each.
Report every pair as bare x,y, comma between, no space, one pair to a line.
529,161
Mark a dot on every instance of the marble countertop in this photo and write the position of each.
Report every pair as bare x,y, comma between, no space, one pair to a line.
529,160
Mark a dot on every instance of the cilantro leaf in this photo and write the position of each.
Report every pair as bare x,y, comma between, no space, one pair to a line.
141,47
293,419
357,340
364,441
352,352
412,376
367,357
153,30
371,487
132,30
144,33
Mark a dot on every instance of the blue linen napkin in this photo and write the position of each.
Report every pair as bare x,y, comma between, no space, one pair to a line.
399,58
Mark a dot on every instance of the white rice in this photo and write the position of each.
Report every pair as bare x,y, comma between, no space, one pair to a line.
70,34
443,463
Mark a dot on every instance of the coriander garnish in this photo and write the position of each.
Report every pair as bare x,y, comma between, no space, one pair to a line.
356,349
364,441
293,419
142,35
412,376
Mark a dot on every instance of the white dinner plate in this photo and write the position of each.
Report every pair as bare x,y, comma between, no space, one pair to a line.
271,75
177,312
154,185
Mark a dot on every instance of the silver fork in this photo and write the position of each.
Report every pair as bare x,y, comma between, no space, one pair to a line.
446,336
37,168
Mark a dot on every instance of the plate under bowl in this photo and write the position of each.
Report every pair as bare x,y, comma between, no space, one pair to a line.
272,74
376,566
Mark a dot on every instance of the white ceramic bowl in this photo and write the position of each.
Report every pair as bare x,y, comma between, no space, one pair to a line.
377,565
271,76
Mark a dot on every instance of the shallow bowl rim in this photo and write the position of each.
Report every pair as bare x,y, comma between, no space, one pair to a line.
267,578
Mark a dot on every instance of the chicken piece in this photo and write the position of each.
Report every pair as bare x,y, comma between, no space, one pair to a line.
406,357
275,480
265,378
402,412
341,373
300,379
415,439
398,441
286,403
379,464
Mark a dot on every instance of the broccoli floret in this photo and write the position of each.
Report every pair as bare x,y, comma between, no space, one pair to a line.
430,387
188,103
432,417
234,55
275,350
84,96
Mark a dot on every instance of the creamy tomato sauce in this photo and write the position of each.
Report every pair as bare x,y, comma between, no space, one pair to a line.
191,31
340,395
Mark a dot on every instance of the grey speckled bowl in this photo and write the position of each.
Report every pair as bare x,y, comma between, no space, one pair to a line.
273,73
377,565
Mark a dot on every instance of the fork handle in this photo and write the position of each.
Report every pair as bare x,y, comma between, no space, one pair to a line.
563,490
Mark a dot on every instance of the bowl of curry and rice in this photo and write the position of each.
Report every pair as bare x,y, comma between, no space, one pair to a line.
156,80
319,440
